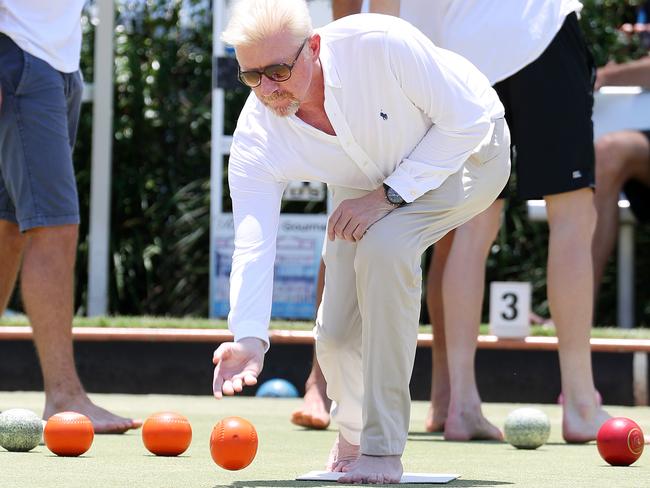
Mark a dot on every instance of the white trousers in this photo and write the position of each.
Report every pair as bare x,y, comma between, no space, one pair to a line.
366,328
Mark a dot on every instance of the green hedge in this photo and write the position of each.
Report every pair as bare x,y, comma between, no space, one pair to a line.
161,165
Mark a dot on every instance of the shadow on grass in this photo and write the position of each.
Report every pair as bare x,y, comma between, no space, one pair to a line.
313,484
439,437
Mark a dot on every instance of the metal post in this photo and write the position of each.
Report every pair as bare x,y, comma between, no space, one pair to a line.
216,150
102,146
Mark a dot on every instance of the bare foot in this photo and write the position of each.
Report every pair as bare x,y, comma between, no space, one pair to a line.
599,398
374,470
104,422
436,417
470,425
315,410
580,424
342,454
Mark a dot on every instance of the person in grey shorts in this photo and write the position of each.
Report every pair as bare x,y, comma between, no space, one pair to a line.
40,98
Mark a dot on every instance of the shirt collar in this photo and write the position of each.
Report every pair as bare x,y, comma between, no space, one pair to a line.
330,74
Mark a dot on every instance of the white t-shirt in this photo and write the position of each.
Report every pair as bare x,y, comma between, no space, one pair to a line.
47,29
404,111
499,36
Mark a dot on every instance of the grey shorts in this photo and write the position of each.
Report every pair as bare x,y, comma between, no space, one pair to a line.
39,116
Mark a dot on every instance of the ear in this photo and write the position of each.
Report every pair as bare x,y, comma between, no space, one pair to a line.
314,46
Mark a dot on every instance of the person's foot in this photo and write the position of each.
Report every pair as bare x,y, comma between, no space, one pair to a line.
104,422
315,410
467,425
580,424
373,470
436,417
342,454
598,396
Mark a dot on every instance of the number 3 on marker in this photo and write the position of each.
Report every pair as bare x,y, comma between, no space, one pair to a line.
509,309
511,312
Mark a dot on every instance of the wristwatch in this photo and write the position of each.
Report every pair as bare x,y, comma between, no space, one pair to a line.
393,197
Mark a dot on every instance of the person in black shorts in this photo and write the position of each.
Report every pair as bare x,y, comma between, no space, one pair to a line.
548,109
622,164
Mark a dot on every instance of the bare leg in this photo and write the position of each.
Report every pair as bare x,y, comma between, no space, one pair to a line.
47,291
315,410
572,219
620,156
12,243
463,286
435,420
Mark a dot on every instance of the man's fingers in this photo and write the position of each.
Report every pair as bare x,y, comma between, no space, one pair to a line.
250,379
217,383
237,384
359,232
227,388
331,223
222,352
349,231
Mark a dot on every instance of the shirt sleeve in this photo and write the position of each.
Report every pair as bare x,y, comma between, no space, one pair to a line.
453,94
256,197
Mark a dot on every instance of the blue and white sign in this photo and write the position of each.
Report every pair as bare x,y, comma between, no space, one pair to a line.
299,246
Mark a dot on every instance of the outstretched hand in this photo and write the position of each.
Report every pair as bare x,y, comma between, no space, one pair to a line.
237,364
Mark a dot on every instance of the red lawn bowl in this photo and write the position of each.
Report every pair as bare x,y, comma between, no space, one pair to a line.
620,441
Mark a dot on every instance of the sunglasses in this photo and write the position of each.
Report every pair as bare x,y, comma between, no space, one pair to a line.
275,72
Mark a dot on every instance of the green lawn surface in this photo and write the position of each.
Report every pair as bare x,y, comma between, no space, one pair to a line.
286,451
202,323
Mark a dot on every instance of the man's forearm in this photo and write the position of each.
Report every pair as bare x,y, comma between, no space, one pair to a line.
632,73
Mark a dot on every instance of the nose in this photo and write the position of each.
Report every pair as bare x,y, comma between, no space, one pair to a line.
267,86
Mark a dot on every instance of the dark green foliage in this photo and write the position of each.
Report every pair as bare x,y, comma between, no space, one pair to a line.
161,159
600,22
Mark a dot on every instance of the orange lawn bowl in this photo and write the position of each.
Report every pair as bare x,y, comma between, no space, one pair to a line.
233,443
68,434
167,434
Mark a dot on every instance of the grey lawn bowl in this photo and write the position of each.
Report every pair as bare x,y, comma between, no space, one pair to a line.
527,428
20,430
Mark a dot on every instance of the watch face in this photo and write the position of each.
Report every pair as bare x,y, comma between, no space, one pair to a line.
394,197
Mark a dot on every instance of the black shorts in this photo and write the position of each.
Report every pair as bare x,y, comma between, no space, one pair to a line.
638,195
548,109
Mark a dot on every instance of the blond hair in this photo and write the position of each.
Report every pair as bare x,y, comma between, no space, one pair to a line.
255,20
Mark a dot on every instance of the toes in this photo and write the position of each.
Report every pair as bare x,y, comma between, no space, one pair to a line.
296,417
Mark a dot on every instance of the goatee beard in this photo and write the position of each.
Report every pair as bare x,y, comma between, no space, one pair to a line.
286,111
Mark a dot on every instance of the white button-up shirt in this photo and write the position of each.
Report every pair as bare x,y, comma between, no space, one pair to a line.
404,111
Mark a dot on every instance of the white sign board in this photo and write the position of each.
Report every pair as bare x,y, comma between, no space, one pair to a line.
510,309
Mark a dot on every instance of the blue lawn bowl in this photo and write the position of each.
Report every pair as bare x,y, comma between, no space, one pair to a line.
277,388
